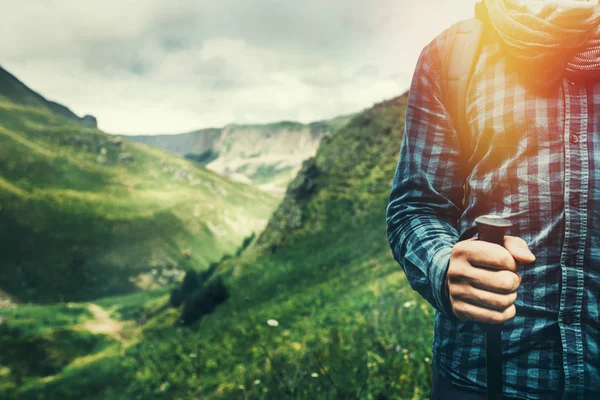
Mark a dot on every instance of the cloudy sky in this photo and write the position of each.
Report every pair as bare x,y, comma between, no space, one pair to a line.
158,66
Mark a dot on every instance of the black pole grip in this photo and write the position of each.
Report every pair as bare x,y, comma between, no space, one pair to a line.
493,229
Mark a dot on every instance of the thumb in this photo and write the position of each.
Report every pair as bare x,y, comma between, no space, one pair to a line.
518,248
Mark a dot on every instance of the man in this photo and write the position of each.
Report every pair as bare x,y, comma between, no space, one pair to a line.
532,156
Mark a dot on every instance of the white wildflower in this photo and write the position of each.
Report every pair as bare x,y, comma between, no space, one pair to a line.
273,322
409,304
314,375
427,359
257,382
193,355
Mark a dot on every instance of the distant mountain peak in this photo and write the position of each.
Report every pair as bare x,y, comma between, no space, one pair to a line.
268,155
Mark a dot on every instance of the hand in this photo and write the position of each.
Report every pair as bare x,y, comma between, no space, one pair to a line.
482,279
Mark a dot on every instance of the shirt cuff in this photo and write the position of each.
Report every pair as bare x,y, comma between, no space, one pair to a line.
438,268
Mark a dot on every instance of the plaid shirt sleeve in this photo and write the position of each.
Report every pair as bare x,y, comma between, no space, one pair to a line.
427,192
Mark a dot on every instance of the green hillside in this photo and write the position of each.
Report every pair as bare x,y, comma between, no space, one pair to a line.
318,309
84,214
13,90
268,156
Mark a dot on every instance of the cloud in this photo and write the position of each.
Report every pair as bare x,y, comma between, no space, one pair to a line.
154,66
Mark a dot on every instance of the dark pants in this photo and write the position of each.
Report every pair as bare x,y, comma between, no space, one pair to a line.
441,389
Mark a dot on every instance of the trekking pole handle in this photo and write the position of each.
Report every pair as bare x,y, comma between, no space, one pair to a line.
493,228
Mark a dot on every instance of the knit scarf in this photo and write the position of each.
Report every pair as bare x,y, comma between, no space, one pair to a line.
548,39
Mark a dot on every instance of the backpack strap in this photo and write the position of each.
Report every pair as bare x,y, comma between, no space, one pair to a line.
459,55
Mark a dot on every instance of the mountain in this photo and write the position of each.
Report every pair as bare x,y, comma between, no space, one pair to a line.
318,308
14,91
84,214
268,156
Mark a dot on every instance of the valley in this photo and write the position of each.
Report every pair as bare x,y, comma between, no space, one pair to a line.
95,242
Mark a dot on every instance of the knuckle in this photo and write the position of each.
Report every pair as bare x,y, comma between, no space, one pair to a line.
498,317
459,250
510,312
454,291
457,307
509,282
508,261
516,282
507,301
491,318
456,271
506,282
459,310
501,302
452,270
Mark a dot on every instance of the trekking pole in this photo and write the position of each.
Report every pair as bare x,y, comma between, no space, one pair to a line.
492,228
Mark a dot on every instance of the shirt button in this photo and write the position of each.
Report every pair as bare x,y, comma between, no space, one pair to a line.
572,83
574,138
574,200
570,261
568,320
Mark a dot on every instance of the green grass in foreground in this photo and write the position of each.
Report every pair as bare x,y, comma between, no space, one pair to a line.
348,323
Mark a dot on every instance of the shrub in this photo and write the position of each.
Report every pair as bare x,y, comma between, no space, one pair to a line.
204,301
191,282
176,298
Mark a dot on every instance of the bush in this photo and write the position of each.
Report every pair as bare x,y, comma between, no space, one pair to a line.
176,298
204,301
191,282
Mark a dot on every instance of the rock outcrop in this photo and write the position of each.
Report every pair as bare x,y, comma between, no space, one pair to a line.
89,121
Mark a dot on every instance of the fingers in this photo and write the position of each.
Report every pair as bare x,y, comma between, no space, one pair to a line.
483,298
493,256
498,281
470,312
486,255
518,248
482,278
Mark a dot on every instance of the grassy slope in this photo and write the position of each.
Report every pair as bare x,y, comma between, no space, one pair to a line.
72,228
349,324
15,91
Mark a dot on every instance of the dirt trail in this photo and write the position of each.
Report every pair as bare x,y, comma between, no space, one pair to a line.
104,324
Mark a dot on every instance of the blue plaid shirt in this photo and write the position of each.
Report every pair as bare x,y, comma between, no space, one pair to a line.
534,160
